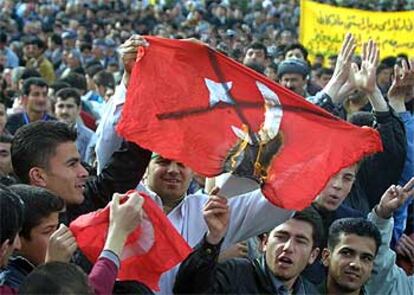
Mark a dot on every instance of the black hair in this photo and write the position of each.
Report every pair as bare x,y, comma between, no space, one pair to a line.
66,93
93,68
58,85
76,80
389,61
273,66
312,217
11,214
257,46
5,138
85,46
56,278
30,73
34,144
362,118
35,41
33,81
38,203
357,226
3,37
104,78
56,39
384,66
323,71
297,46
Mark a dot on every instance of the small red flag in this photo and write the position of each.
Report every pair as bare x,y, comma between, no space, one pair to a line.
152,249
196,106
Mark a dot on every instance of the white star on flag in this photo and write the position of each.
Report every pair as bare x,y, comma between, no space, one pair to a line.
219,92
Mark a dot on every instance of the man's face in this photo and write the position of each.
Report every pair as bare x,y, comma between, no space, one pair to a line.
295,53
72,61
332,62
286,37
384,77
5,159
32,51
255,56
37,99
65,176
3,117
337,189
34,249
67,110
350,262
68,43
271,74
289,249
294,82
10,248
324,79
168,179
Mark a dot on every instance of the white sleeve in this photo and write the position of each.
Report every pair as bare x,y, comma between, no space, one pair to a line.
108,141
252,214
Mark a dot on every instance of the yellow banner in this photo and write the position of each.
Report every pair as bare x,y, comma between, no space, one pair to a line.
323,27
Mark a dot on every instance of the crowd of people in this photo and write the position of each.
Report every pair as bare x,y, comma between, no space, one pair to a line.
65,68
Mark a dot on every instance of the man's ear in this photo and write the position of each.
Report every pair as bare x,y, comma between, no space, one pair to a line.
24,100
37,177
314,255
3,250
326,256
263,242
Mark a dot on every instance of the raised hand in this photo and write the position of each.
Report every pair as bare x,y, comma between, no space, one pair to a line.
405,247
340,84
365,77
123,219
393,198
62,245
216,213
402,87
128,52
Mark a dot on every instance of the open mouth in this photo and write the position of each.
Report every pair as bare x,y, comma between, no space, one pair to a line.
285,261
334,197
80,186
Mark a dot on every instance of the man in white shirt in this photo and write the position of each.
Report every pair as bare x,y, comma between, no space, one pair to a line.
167,182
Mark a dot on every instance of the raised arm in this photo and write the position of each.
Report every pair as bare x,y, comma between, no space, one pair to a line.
387,277
123,219
108,141
200,272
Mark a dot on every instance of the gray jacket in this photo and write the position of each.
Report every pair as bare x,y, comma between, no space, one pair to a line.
387,278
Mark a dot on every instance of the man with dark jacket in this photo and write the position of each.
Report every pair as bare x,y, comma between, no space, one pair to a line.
289,248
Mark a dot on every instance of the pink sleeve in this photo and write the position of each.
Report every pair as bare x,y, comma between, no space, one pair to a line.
103,275
6,290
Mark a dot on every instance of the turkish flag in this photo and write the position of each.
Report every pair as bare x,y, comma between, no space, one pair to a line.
152,249
194,105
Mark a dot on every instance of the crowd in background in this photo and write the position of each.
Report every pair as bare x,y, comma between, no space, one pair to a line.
62,61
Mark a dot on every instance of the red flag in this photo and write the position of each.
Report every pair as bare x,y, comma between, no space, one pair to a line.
196,106
150,250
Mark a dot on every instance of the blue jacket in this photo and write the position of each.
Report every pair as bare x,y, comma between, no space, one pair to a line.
16,271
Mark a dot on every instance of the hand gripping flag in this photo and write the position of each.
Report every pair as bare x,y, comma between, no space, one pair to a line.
194,105
152,249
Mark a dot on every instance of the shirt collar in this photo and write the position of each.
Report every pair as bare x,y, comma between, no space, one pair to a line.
278,285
